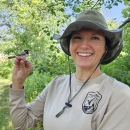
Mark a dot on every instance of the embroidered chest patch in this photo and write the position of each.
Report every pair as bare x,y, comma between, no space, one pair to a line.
91,101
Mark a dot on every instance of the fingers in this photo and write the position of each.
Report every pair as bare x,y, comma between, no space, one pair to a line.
22,63
18,59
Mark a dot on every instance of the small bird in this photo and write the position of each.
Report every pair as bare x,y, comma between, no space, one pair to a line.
25,54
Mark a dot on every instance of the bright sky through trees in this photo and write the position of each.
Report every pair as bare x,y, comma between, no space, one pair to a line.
115,12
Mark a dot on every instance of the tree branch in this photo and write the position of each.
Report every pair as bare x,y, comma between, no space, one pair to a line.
124,23
95,4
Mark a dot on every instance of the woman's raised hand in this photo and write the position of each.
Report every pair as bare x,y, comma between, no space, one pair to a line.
22,68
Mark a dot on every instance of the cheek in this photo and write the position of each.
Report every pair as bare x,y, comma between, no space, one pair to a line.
72,48
101,49
101,46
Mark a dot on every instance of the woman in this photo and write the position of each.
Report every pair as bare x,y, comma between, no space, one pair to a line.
86,100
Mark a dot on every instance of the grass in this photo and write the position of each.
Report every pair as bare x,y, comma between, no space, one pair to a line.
5,120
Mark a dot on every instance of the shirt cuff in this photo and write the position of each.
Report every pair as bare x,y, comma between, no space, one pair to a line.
16,92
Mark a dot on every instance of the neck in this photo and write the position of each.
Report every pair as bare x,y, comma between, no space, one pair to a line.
83,74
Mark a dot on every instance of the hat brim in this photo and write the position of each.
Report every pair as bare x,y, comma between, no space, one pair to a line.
114,37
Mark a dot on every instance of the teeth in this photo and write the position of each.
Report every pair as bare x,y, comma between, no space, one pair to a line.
84,54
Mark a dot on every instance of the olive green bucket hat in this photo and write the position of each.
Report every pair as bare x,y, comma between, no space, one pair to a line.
92,19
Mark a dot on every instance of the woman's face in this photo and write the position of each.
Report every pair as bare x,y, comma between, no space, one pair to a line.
87,47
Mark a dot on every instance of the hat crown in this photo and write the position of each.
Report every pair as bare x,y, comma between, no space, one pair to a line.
94,17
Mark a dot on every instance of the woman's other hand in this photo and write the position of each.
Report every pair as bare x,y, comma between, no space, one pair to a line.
22,68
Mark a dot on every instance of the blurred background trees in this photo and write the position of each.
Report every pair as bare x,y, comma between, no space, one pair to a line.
120,68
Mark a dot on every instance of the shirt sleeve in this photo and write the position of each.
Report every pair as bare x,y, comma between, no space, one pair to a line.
117,115
24,116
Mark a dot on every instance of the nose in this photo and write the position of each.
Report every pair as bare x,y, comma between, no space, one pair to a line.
85,43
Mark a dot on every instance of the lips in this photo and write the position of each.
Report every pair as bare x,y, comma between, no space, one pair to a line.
84,54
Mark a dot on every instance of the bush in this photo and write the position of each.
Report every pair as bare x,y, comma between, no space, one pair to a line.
6,69
119,69
35,83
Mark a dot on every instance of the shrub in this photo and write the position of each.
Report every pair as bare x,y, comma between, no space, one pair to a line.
6,69
35,83
119,69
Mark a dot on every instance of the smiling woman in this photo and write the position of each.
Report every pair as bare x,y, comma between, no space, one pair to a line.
85,100
87,47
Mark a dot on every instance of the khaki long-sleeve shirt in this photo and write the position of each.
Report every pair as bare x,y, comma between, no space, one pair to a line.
102,104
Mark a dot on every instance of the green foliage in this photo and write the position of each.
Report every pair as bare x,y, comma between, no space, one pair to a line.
119,69
5,69
39,126
110,3
5,120
35,83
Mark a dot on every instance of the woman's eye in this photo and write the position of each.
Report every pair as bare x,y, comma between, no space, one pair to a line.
77,37
95,38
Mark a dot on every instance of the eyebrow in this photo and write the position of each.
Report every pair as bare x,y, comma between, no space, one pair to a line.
100,34
96,33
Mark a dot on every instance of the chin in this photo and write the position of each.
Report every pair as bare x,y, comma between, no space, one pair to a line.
85,66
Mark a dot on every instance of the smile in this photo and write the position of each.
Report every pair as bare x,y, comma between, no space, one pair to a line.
84,54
